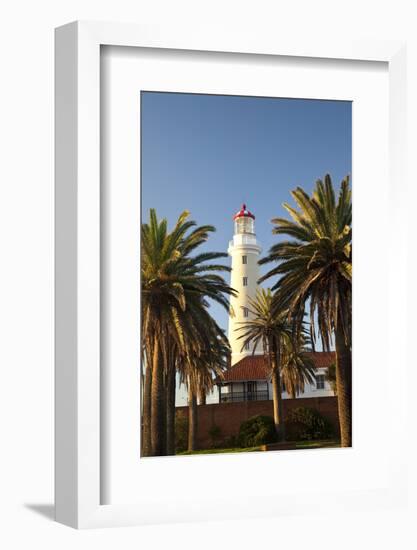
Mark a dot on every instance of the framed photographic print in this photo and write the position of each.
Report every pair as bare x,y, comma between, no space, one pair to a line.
213,334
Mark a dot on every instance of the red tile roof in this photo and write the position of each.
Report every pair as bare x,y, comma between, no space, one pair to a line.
255,367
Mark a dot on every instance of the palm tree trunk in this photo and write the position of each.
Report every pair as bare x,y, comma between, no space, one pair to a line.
276,392
158,424
202,396
192,420
146,414
170,409
277,403
344,387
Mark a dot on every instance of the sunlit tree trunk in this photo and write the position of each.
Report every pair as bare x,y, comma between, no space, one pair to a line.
276,391
146,418
170,409
192,419
158,399
344,387
202,396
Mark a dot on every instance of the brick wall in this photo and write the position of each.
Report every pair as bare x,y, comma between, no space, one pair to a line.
229,416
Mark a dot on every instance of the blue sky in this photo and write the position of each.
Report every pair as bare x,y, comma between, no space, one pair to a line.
208,154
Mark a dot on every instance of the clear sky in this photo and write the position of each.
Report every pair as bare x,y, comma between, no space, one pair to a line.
208,154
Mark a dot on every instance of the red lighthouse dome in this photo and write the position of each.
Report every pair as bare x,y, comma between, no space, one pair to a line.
243,213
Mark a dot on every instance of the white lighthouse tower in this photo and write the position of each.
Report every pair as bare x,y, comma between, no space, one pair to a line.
244,250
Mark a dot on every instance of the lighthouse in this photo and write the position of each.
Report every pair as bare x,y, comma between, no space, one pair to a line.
244,250
249,376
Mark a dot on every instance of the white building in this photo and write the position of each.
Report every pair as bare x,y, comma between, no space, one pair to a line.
248,377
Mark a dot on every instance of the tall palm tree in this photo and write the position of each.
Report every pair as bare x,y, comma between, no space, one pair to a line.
272,330
175,289
315,270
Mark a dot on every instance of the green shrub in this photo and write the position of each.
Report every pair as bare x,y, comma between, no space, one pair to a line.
303,424
257,430
215,434
181,432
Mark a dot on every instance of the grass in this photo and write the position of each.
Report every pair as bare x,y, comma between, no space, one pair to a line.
317,444
217,451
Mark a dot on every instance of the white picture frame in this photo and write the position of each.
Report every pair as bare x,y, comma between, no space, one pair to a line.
78,406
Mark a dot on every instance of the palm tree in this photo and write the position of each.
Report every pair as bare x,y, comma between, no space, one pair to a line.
271,329
175,289
297,366
315,269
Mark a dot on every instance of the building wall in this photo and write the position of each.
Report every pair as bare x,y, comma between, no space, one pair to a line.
229,416
310,390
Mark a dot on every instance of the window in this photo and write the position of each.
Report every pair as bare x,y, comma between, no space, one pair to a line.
245,281
320,381
244,259
244,225
245,312
251,391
